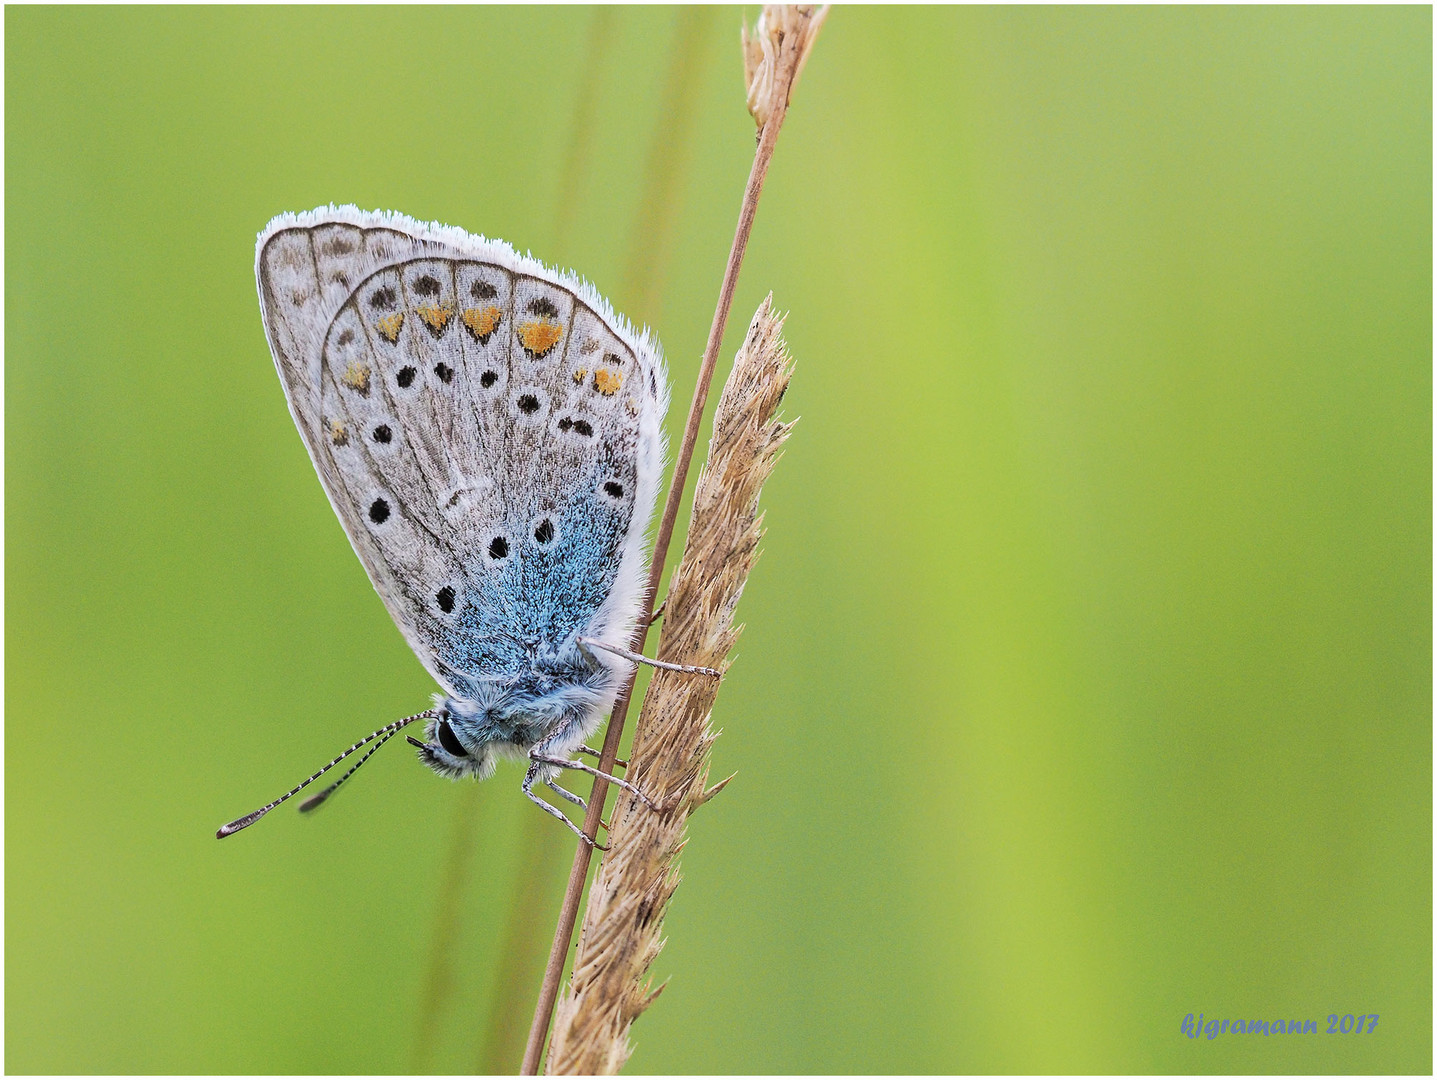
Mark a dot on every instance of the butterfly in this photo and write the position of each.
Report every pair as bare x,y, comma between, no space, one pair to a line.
489,433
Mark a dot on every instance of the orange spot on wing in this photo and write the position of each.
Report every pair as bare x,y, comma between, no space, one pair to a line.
608,382
389,326
356,377
580,375
338,433
539,337
436,316
481,321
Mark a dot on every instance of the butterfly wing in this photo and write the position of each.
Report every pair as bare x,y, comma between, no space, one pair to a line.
488,432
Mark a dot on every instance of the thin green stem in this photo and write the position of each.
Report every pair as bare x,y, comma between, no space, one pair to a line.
652,237
509,998
439,981
520,953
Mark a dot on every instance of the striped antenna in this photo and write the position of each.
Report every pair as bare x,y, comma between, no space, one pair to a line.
385,732
315,801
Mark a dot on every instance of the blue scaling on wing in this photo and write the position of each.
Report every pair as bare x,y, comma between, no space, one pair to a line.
547,584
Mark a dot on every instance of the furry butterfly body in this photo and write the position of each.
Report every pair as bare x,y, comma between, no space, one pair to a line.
489,433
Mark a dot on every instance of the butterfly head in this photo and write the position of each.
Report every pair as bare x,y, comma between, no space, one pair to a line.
455,745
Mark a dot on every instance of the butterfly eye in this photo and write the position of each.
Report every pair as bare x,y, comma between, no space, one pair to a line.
448,740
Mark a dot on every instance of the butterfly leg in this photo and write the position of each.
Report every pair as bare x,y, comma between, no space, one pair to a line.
658,611
620,762
577,801
580,803
528,786
639,658
563,793
538,756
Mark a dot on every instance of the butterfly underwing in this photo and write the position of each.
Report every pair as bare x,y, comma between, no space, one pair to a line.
489,433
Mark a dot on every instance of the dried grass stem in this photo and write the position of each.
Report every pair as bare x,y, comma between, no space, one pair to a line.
624,919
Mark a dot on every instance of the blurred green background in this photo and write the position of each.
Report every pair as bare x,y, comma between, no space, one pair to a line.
1087,674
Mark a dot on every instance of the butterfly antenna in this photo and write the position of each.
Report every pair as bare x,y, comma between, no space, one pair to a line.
384,733
314,801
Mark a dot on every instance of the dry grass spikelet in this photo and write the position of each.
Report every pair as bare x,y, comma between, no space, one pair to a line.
670,758
781,27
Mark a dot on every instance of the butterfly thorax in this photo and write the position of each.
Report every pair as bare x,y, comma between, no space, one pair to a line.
556,702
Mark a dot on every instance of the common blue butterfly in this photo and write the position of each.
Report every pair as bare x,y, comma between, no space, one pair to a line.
489,432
